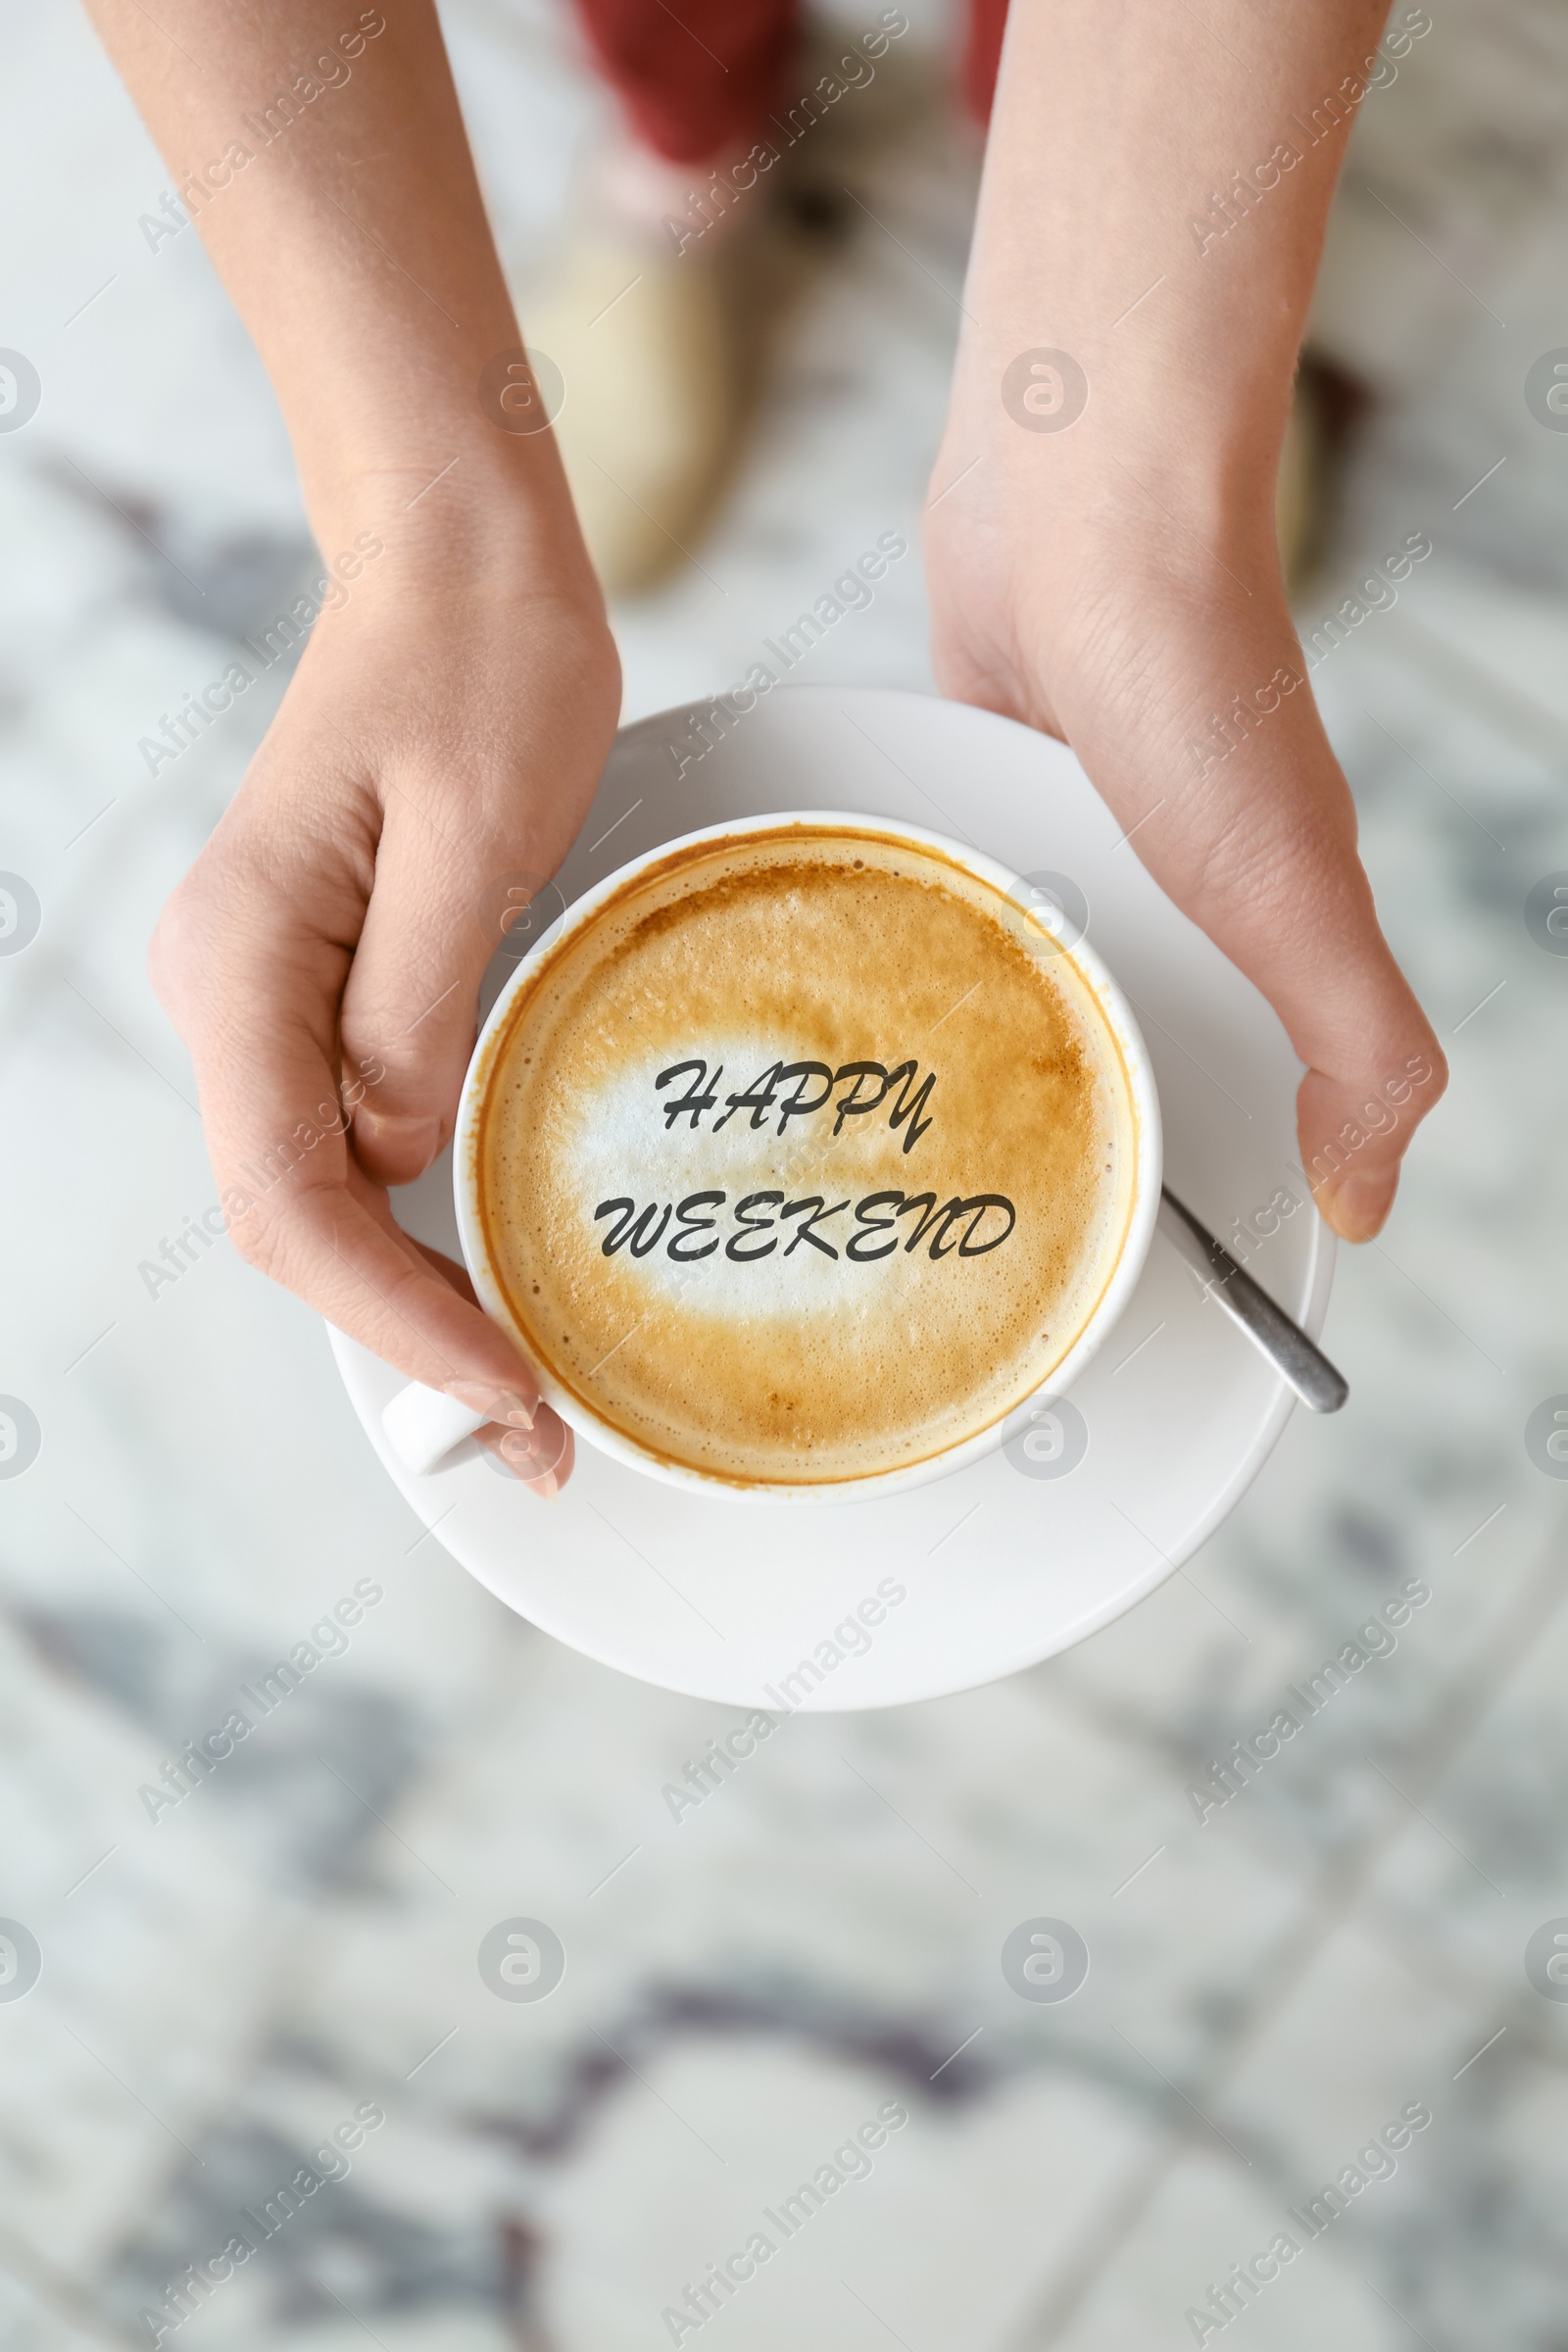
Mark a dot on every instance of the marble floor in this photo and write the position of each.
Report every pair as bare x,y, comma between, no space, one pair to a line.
291,1949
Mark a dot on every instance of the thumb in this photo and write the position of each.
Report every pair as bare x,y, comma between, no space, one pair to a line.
1289,900
1294,911
1353,1135
436,915
1294,908
1257,844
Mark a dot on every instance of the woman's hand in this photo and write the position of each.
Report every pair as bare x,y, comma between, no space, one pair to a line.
1102,621
443,736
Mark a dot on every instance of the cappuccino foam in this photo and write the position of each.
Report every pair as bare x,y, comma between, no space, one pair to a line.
804,1158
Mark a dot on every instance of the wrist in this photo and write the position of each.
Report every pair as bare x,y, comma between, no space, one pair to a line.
419,433
1149,455
452,509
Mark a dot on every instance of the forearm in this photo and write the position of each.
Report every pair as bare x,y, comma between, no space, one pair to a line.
349,229
1157,184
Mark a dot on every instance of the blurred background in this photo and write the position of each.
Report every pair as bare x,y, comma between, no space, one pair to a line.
293,1945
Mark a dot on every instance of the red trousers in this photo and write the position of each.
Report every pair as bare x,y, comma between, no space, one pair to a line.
702,76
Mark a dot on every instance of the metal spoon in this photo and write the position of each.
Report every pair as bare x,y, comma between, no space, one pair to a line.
1292,1354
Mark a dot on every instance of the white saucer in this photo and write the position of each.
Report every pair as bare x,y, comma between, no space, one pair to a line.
1000,1567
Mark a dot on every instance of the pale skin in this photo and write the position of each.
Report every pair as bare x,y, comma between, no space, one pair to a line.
1116,583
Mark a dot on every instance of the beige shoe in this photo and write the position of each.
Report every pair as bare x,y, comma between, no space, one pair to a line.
649,423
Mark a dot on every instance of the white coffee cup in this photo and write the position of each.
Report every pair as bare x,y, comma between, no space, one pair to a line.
424,1425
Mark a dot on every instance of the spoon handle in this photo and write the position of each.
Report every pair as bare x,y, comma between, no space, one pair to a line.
1292,1354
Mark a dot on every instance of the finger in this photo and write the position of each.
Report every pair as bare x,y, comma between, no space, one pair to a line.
1284,894
1257,840
541,1458
250,975
437,913
1354,1137
448,1268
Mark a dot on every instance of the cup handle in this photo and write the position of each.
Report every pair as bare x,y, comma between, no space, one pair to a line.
422,1425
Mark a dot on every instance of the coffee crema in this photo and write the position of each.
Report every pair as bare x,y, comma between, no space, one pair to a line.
807,1157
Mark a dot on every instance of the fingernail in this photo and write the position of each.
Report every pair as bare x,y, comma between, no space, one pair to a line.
411,1137
1360,1205
520,1457
496,1404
